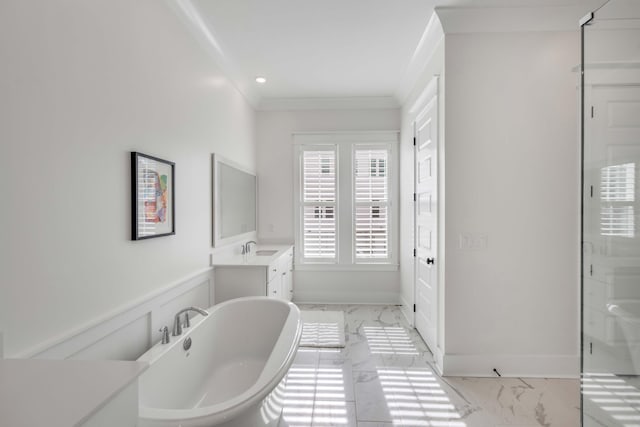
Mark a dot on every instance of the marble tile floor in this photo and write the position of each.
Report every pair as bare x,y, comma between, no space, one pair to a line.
384,377
611,400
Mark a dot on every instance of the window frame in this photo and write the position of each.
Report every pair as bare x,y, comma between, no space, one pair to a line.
345,144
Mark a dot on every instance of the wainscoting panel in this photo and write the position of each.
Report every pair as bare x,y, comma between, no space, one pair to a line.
126,343
198,296
129,332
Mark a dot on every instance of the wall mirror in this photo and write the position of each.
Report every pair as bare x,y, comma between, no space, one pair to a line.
234,202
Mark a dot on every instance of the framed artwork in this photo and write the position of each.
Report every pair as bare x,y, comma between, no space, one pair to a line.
153,197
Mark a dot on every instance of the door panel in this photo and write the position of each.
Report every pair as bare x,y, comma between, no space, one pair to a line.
424,203
426,221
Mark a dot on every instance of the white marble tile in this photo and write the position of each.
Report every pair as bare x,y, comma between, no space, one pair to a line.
371,399
300,387
297,404
361,358
334,413
296,413
321,307
593,420
307,357
306,385
333,353
370,364
419,397
517,402
518,425
368,424
338,375
416,359
611,400
394,384
389,315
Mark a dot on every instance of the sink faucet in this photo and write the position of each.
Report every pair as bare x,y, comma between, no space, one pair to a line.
247,246
177,327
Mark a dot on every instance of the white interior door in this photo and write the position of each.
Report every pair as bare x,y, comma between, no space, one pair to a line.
611,259
426,218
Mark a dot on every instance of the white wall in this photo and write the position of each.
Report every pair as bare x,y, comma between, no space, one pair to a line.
512,173
274,131
83,84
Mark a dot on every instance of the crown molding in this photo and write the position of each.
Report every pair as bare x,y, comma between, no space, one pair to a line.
328,103
191,17
513,19
619,10
431,38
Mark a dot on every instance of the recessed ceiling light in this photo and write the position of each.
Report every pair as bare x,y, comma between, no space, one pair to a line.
261,79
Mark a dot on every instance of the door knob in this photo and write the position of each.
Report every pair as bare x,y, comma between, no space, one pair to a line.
431,261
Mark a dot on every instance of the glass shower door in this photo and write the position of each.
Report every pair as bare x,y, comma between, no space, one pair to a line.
611,215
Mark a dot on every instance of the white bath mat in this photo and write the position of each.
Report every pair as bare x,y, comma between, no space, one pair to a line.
322,329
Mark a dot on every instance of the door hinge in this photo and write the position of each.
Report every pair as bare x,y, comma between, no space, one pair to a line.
414,308
414,197
414,252
590,348
590,269
592,112
414,140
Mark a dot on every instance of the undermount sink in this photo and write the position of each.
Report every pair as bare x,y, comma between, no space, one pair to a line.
266,252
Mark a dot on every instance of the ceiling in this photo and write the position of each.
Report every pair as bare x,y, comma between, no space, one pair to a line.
325,49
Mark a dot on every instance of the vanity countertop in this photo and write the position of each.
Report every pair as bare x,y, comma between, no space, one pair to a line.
60,393
239,260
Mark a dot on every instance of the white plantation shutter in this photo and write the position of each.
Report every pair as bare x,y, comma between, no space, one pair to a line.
617,215
319,203
345,194
371,203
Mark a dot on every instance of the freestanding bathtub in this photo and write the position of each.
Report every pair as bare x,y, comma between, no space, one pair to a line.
230,375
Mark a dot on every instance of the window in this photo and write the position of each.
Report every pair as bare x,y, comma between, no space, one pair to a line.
319,203
371,201
344,200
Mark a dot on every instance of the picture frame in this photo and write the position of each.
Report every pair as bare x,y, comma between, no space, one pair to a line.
152,197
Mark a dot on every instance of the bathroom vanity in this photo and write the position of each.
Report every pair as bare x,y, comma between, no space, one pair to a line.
267,271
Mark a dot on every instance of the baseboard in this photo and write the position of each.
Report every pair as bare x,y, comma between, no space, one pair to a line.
356,298
345,302
407,310
439,358
521,366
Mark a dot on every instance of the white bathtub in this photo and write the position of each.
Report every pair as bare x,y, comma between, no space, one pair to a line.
238,356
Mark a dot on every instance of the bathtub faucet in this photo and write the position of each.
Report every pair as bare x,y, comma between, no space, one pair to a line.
177,327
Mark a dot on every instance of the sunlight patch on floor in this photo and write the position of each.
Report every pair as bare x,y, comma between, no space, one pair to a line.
415,398
390,340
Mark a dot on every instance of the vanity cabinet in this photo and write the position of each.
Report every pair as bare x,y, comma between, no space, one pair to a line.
255,276
280,284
